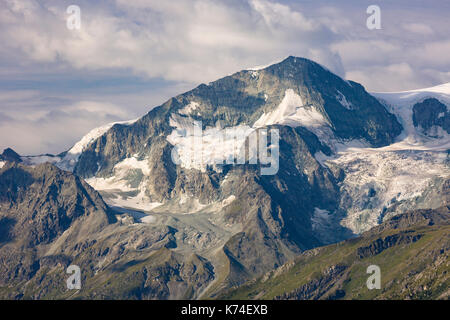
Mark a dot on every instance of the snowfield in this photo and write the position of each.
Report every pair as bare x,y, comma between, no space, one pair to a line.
189,108
385,181
127,186
377,180
196,148
294,113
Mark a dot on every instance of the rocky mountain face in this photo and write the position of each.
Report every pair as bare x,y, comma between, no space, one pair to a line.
39,206
10,155
164,227
431,113
50,219
42,202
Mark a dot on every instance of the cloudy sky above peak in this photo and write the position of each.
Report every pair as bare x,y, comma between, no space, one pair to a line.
57,84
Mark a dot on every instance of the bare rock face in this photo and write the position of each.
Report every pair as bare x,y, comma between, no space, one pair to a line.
43,202
50,219
431,112
37,206
10,155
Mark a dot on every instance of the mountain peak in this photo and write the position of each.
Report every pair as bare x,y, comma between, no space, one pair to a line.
294,59
290,61
10,155
45,201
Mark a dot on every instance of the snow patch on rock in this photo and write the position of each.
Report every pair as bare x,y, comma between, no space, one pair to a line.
126,188
138,202
187,110
343,101
197,148
292,112
71,158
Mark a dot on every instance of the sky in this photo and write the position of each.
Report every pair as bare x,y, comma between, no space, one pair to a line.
129,56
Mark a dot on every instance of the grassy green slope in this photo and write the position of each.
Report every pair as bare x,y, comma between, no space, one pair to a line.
411,250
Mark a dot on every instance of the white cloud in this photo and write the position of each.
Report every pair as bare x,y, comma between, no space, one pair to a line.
419,28
394,76
31,122
53,131
194,41
276,15
201,40
433,54
366,52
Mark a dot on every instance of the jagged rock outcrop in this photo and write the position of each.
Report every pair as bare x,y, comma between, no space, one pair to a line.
50,219
43,202
10,155
431,112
